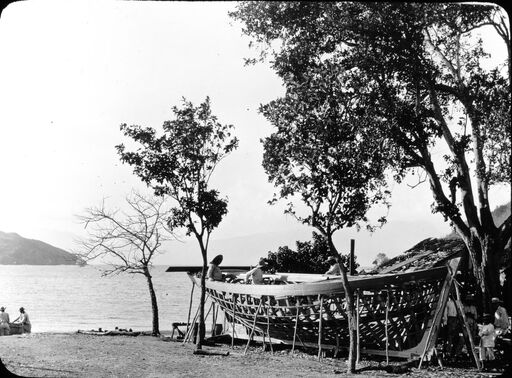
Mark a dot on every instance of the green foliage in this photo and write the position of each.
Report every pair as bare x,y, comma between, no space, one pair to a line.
394,72
319,154
180,162
310,257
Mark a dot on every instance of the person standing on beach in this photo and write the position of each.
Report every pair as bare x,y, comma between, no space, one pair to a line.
24,320
451,322
501,321
487,335
5,329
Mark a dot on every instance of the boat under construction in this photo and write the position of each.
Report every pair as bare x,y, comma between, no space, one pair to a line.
398,310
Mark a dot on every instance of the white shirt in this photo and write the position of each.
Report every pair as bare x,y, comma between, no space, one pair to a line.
335,269
256,274
24,318
450,310
486,334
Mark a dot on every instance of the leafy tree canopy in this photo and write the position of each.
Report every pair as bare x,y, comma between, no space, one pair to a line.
310,257
180,162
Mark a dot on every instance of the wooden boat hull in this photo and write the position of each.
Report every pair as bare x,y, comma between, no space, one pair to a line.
404,307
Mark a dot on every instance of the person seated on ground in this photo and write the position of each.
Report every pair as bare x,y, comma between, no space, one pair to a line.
487,335
256,273
214,273
4,322
501,321
24,320
334,268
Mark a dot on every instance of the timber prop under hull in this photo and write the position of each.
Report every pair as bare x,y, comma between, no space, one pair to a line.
398,313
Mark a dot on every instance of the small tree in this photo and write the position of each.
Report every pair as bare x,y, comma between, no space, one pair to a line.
318,156
380,259
127,240
179,164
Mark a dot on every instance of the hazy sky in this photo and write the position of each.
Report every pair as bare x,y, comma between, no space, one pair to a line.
71,72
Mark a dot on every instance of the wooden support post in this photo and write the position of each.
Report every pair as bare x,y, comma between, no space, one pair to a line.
296,324
190,305
358,350
434,326
469,340
320,327
224,322
268,331
191,329
431,332
208,312
233,324
352,269
438,358
253,326
387,334
217,310
213,319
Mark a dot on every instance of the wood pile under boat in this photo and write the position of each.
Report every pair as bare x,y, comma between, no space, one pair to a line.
399,313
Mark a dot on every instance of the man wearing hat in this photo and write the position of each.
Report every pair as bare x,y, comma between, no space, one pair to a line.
501,321
5,329
256,273
334,268
24,320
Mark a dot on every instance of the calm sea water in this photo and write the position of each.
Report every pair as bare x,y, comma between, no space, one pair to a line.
68,298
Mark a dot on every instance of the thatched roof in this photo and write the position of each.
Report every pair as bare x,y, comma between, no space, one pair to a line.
426,254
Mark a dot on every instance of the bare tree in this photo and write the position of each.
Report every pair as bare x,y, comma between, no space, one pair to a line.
127,240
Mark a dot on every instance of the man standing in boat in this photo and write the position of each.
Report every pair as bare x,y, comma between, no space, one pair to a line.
256,273
334,269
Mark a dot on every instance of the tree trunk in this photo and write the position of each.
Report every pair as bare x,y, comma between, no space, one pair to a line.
201,331
351,313
485,256
351,320
154,304
492,250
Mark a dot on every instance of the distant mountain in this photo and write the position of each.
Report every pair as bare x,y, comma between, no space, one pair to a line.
17,250
499,215
448,245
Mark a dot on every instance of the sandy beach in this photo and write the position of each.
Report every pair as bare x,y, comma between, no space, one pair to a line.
79,355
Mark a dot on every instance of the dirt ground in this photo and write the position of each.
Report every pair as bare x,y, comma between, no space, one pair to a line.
79,355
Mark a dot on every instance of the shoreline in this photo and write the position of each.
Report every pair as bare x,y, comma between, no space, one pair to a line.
81,355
